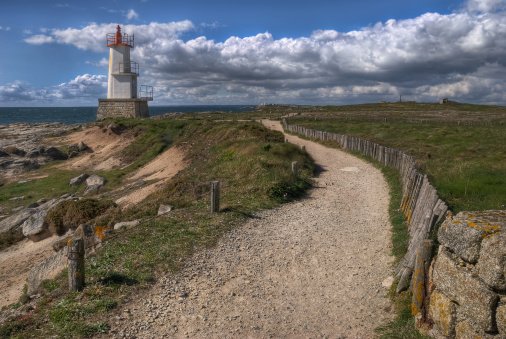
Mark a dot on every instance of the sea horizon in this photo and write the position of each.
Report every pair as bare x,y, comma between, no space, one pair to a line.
83,114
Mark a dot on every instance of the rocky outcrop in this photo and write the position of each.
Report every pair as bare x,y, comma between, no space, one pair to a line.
469,276
14,221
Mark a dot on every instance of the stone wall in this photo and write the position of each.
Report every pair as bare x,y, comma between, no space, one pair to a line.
469,276
122,108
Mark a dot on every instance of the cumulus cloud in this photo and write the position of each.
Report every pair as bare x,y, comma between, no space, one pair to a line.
486,6
39,39
132,15
424,58
81,89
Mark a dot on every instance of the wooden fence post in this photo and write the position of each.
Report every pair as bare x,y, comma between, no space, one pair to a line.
295,168
76,264
303,148
215,196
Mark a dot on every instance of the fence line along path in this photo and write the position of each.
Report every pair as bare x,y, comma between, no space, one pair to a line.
308,269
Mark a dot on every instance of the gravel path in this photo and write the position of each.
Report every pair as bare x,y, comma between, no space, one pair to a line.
309,269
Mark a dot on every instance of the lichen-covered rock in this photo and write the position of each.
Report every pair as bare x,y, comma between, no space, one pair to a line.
465,329
474,298
491,266
443,312
81,146
463,233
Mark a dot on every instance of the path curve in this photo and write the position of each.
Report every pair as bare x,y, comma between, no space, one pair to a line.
308,269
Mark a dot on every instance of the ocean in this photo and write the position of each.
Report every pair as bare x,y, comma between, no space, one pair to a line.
73,115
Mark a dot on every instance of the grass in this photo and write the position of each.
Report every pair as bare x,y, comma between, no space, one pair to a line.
253,165
466,164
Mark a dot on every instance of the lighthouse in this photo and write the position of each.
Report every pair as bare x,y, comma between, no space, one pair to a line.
123,98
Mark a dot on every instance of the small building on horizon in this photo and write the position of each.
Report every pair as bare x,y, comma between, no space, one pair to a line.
123,98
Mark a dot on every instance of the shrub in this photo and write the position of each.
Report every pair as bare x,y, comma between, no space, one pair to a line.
69,214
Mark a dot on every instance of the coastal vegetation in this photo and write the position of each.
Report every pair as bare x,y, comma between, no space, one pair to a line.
460,147
253,165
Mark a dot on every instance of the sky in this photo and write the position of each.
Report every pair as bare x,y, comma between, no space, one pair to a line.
224,52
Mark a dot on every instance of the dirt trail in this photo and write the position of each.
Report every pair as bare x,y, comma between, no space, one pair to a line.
309,269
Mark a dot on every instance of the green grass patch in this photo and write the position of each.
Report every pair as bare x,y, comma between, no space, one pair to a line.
464,163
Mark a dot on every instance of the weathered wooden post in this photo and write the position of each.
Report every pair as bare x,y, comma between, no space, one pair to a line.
303,148
215,196
295,168
420,275
76,264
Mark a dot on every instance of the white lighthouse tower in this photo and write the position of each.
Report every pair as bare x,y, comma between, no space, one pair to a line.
122,96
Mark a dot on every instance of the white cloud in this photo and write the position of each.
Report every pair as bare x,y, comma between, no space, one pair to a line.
39,39
5,28
84,88
132,15
423,58
485,6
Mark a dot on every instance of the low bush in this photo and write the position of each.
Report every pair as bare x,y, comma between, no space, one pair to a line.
69,214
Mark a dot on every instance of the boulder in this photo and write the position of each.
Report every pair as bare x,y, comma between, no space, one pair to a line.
163,209
81,146
78,180
458,284
114,128
501,316
492,263
34,227
443,312
16,220
55,154
3,153
73,148
95,180
463,233
127,224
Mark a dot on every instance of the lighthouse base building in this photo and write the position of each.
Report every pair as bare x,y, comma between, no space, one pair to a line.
123,100
122,108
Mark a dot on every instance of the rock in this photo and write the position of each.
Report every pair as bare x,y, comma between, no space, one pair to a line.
387,283
163,209
55,154
465,329
463,233
81,146
3,153
17,198
443,312
474,298
78,180
501,316
127,224
95,180
34,227
73,148
16,220
492,263
93,189
138,183
48,269
114,128
73,154
24,164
